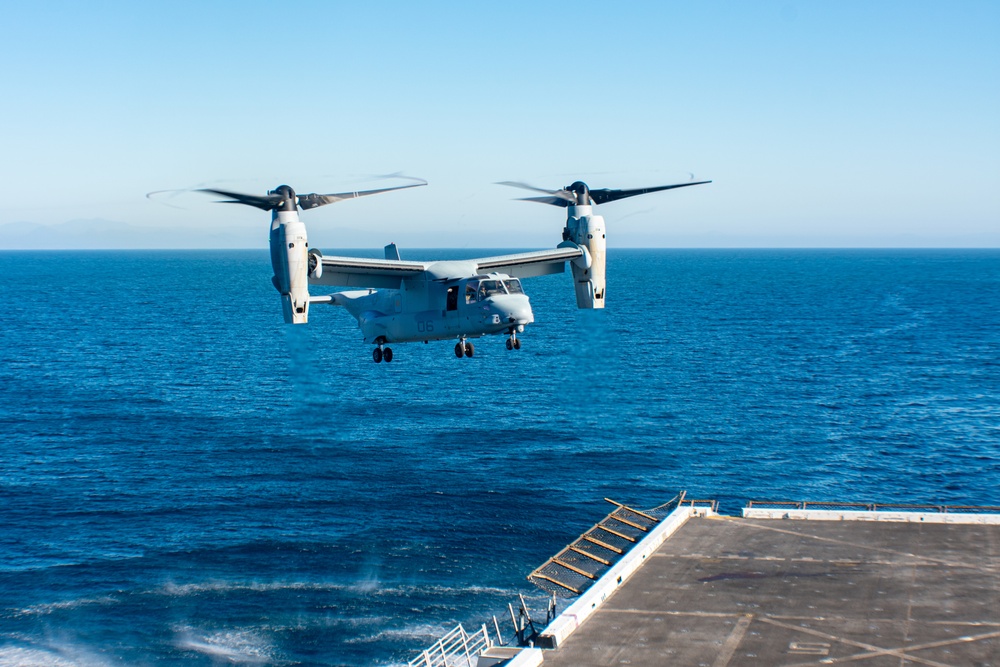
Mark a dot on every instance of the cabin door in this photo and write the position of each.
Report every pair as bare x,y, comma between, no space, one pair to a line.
451,309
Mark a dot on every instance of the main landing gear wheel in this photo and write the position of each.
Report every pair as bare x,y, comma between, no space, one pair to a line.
378,354
464,347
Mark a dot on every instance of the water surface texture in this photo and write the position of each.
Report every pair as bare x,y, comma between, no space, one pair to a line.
185,480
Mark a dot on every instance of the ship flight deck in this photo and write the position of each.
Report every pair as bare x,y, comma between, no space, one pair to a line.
788,584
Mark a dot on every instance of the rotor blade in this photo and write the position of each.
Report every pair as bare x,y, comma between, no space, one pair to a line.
266,202
561,194
309,201
605,195
553,201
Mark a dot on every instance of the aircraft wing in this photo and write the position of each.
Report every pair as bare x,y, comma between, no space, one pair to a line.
361,272
529,264
378,273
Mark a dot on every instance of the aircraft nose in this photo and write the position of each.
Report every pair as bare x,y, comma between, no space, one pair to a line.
515,309
521,315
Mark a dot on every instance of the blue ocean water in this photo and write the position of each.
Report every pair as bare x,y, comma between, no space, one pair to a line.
186,480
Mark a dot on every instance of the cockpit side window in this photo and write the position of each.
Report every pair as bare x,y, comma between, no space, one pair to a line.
470,292
513,286
488,288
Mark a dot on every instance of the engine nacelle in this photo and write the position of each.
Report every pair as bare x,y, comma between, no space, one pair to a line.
290,261
587,231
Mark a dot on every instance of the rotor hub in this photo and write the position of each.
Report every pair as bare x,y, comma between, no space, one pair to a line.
288,200
582,192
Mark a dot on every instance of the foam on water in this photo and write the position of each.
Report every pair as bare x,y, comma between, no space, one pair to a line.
52,607
181,590
241,647
422,633
50,654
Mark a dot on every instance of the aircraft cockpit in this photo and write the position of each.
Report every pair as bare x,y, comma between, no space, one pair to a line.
513,286
482,289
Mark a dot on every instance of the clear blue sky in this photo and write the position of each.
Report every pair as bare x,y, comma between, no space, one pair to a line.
821,123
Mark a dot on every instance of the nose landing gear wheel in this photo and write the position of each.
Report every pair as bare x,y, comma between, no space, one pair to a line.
510,344
517,344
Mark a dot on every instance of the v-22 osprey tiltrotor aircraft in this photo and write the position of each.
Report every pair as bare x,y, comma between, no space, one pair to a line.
396,301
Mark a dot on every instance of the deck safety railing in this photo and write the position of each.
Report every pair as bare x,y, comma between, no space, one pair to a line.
456,649
712,505
869,507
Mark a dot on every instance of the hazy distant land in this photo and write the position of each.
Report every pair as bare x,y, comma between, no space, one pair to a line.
103,234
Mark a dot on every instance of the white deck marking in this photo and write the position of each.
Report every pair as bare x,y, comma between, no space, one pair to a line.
928,559
871,649
733,641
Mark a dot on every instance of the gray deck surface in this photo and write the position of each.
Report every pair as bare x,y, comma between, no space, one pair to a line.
732,592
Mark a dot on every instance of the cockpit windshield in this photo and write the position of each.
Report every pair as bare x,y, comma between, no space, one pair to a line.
513,286
488,288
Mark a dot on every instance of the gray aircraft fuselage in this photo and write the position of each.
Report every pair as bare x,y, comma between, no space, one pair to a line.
429,308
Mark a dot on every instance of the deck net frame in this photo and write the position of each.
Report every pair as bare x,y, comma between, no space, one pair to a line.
584,560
